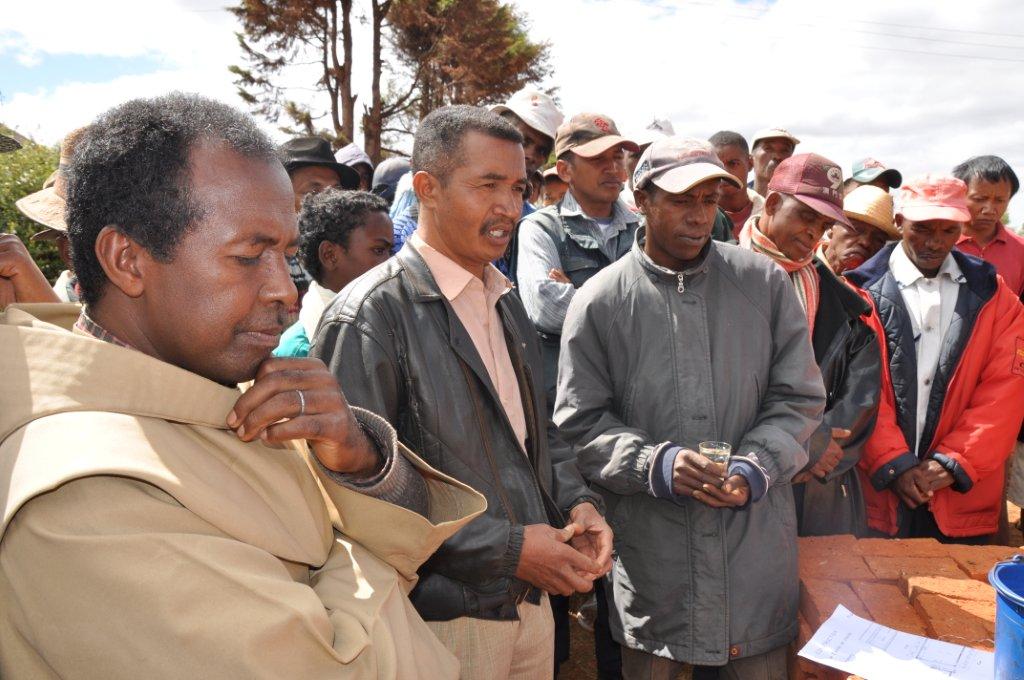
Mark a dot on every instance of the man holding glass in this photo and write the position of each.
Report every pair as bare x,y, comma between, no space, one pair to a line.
685,341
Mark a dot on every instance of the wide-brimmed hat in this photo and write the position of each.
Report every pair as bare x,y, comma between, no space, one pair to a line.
772,133
46,206
873,206
934,197
535,108
677,164
305,151
8,144
589,135
868,170
813,180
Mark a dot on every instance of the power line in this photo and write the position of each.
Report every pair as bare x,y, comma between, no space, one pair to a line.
760,17
760,14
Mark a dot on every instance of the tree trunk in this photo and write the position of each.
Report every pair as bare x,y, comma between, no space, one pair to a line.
373,119
348,99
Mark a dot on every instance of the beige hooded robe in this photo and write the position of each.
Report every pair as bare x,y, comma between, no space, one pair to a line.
142,539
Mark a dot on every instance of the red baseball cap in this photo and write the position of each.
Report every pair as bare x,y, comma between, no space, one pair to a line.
934,197
813,180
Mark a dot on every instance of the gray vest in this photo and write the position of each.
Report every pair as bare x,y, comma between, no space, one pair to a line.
581,257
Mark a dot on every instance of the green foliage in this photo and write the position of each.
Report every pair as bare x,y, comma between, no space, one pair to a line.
21,173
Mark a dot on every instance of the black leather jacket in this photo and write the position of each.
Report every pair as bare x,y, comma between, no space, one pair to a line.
846,351
398,349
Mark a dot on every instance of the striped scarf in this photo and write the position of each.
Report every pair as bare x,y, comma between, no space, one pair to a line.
804,277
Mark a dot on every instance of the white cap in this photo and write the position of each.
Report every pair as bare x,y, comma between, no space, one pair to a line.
773,133
352,155
536,109
658,128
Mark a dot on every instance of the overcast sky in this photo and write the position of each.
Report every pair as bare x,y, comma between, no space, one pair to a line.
919,84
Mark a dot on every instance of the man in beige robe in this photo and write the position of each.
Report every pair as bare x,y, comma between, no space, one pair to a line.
157,523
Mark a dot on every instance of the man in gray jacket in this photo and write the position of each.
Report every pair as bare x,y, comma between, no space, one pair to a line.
682,341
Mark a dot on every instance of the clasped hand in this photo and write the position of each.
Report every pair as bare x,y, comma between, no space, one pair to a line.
567,560
698,477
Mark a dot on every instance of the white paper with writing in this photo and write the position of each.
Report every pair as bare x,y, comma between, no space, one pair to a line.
872,651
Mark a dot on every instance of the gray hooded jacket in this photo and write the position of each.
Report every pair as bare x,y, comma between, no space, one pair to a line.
719,352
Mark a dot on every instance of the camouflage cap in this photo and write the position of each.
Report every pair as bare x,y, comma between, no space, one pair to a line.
589,135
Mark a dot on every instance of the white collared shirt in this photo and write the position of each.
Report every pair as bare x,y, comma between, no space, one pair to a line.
930,303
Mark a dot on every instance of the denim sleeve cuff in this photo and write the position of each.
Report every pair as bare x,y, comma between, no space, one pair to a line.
662,461
961,480
884,476
756,477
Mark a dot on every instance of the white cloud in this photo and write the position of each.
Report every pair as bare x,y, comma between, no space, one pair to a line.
819,69
836,74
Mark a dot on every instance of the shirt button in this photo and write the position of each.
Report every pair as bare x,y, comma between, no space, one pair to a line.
734,651
928,329
927,381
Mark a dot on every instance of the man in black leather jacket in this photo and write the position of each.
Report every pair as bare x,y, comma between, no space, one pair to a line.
432,341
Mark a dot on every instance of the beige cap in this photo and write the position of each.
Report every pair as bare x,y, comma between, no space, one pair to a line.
873,206
589,135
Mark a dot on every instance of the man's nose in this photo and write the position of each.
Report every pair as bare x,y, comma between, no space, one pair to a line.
278,285
511,205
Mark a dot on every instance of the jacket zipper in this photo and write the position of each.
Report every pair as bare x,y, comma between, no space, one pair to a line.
681,288
531,412
502,494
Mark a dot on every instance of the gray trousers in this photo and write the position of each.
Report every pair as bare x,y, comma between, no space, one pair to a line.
637,665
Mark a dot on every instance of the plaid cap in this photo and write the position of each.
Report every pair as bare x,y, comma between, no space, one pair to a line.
589,135
677,164
867,170
934,197
813,180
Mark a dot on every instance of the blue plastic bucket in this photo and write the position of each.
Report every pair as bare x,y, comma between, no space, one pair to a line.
1008,580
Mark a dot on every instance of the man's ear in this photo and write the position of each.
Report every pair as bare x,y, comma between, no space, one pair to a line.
640,198
123,260
772,203
899,222
564,170
427,188
328,255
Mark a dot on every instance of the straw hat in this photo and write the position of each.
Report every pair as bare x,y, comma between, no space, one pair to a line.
46,206
872,205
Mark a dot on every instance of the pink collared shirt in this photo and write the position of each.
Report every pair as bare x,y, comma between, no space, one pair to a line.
475,303
1005,252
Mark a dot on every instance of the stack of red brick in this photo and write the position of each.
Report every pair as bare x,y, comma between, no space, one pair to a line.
918,586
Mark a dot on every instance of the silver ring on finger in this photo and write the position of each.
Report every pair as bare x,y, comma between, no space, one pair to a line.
302,403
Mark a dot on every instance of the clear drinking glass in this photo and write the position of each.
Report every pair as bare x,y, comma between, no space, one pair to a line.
716,452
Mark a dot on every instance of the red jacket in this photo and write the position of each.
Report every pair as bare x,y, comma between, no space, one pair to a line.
981,406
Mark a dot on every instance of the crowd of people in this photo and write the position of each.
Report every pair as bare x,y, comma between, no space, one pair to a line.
288,414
